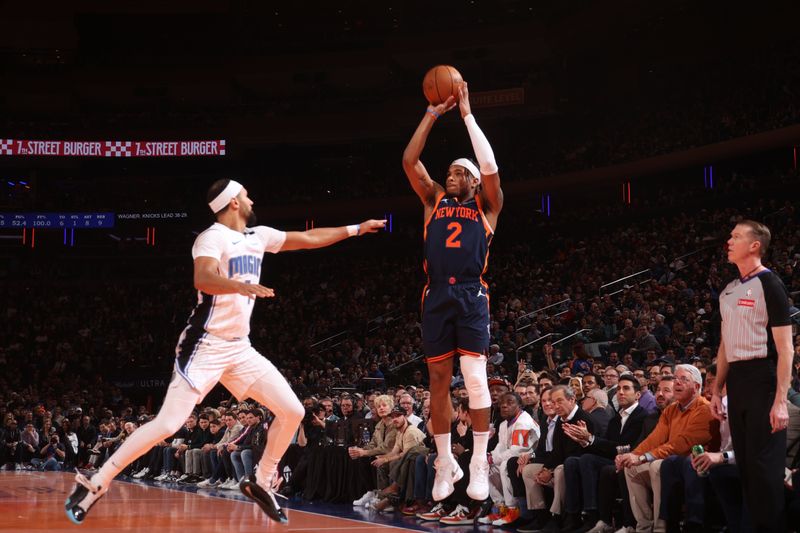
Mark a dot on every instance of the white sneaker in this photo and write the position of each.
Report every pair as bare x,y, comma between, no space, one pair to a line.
232,484
365,499
184,477
448,473
373,499
207,484
162,477
141,473
601,527
625,530
478,488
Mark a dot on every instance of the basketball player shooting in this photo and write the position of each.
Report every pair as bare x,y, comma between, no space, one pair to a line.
460,220
215,348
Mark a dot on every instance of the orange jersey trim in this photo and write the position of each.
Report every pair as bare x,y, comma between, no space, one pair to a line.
442,357
486,225
430,217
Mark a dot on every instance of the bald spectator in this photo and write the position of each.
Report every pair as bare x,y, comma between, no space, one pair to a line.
595,404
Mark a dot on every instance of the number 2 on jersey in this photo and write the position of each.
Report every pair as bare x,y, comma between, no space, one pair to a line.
452,241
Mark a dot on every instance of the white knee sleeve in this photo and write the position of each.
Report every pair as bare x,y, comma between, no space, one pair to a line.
474,371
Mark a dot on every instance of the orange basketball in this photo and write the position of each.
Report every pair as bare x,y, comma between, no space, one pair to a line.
440,82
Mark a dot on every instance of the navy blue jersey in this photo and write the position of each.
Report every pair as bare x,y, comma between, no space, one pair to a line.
457,238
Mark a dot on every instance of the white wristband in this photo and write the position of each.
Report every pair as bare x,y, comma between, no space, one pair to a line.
353,230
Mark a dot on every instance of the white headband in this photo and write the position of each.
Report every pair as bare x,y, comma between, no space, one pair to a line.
223,199
469,165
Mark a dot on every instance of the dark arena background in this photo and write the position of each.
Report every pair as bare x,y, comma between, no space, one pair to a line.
631,138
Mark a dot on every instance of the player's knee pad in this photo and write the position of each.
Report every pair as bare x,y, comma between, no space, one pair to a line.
474,371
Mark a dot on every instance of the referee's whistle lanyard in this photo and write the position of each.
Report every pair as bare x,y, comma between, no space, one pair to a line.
746,277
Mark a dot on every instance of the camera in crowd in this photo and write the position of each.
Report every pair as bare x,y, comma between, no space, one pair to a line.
311,411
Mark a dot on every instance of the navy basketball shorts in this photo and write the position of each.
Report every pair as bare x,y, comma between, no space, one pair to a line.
455,320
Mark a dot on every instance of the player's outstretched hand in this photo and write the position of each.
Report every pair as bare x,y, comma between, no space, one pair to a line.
445,106
463,100
371,226
254,290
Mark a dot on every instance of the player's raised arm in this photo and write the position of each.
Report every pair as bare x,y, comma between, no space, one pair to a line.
321,237
419,178
491,193
208,280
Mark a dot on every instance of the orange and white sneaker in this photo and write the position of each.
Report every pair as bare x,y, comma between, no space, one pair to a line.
491,517
460,516
511,514
435,514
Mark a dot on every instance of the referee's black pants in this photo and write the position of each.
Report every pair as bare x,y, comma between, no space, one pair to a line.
760,454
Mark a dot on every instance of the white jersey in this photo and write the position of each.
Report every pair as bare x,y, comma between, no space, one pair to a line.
522,436
227,316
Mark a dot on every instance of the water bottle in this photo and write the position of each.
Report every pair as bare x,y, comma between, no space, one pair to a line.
698,449
365,436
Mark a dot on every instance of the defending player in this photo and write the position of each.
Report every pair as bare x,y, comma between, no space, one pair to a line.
460,220
215,346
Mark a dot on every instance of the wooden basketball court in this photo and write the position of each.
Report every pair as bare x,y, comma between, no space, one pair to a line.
34,502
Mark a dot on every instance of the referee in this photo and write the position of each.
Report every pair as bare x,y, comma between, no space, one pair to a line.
755,360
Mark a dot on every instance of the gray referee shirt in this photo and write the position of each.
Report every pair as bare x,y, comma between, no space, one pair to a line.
750,308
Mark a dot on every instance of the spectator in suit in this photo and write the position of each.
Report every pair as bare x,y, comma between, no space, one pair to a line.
595,403
87,438
550,472
611,379
193,468
210,459
592,478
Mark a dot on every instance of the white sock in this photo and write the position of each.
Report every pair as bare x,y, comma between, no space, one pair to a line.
267,467
480,443
443,446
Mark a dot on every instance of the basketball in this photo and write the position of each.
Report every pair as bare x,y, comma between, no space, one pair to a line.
440,82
